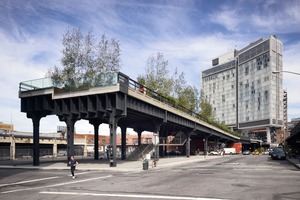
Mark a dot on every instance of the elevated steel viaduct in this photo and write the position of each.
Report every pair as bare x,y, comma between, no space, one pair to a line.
118,102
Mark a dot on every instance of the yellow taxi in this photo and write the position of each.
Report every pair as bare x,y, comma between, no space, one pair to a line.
255,152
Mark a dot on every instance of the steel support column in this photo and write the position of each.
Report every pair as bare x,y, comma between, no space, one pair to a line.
188,144
113,123
156,136
139,132
123,141
206,144
96,124
36,117
70,122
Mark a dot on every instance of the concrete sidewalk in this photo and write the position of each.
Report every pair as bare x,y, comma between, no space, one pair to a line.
122,165
294,161
90,164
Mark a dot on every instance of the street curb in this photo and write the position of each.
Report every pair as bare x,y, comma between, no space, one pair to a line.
294,163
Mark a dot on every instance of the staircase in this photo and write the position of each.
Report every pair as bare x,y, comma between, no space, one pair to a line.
140,152
179,139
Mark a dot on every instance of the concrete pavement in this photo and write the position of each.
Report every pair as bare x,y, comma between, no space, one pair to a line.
90,164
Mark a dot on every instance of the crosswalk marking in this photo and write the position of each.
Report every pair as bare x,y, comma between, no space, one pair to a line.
130,195
56,185
29,181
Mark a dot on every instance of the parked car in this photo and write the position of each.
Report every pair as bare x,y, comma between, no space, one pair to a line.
214,153
278,153
246,152
270,151
255,152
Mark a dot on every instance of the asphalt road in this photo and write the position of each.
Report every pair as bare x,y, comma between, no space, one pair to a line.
232,177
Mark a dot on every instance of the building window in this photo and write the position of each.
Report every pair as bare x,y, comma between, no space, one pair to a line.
252,90
266,78
266,94
246,70
258,67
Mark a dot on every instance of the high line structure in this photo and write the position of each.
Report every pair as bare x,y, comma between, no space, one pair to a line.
117,101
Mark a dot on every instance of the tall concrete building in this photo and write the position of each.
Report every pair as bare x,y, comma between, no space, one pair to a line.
244,92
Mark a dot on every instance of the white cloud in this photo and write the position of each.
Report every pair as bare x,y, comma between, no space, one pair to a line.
278,17
227,16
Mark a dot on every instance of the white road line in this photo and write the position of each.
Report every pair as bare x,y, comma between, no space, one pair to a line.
130,196
84,172
55,185
80,173
29,181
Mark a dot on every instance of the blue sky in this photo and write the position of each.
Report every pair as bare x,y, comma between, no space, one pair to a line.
190,33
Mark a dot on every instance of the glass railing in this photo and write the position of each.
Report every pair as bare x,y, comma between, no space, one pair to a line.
104,79
35,84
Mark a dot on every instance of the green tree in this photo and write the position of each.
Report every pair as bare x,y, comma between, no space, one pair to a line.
84,61
107,60
156,76
179,83
188,98
206,110
174,87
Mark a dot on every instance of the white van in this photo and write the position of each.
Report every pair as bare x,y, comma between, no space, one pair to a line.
230,151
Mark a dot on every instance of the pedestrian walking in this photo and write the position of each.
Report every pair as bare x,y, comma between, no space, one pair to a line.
73,164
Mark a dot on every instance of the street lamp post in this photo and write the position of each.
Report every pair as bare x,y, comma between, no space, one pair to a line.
277,72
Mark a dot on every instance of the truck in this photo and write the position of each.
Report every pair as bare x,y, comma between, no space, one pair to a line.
229,151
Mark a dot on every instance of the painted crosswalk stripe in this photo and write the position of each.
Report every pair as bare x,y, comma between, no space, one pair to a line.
56,185
130,196
29,181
